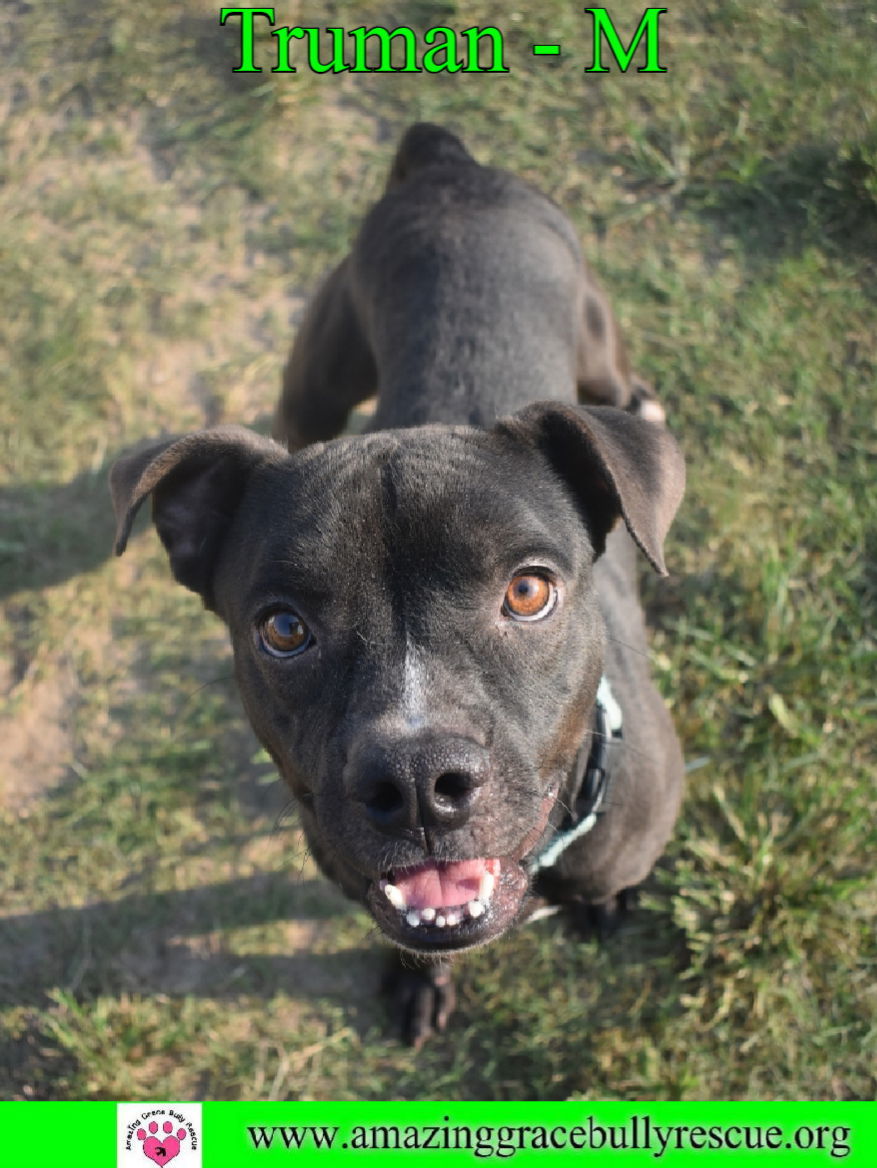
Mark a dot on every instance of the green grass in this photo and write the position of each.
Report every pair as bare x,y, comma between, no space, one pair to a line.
164,932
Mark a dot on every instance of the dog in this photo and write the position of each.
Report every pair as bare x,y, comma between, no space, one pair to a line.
436,626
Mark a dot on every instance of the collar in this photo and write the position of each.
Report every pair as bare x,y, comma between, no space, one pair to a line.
594,766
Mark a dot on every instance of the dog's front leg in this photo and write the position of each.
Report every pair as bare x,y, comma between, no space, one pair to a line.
330,369
602,920
421,992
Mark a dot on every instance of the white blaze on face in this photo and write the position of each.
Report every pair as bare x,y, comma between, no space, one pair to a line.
414,689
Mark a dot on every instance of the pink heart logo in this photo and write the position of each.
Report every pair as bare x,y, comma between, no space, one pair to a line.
161,1151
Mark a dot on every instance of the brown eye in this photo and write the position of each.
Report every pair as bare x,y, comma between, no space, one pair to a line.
529,597
284,633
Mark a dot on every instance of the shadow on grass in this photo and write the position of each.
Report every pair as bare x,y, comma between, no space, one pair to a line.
820,194
163,947
137,944
33,1065
54,531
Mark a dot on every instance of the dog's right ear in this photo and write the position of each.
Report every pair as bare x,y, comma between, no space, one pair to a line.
196,483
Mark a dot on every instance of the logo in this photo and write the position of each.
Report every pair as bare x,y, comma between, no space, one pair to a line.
159,1133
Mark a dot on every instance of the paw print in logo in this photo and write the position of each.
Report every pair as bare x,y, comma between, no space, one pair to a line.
161,1151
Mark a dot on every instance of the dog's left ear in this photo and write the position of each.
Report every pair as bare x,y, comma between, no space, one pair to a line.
615,463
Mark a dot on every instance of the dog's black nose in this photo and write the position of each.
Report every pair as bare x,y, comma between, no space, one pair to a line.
425,783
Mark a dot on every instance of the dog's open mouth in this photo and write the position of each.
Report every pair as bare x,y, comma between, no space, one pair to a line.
456,904
451,904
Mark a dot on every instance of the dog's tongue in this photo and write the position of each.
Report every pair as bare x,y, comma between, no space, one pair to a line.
440,885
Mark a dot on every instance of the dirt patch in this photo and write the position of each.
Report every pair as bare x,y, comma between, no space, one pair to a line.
36,737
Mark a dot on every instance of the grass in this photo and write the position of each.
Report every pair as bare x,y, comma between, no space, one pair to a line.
164,932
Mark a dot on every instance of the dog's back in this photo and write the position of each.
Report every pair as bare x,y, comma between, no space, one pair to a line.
472,280
465,297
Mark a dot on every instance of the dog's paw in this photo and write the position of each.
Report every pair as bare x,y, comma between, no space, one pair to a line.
600,921
422,997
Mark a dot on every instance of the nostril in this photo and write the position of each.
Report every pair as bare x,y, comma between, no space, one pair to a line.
453,786
385,799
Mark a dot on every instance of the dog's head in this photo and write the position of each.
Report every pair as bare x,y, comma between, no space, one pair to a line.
416,632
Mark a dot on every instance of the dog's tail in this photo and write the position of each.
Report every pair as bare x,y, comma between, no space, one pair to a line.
425,144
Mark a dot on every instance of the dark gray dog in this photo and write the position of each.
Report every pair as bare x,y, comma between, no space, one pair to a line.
436,637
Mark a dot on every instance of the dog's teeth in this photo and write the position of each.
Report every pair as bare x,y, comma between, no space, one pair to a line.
485,890
413,918
475,907
427,915
394,896
453,918
440,921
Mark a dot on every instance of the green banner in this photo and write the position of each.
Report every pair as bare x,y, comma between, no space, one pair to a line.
225,1135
